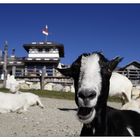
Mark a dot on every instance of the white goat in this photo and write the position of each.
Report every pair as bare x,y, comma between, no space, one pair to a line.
132,105
120,85
12,84
18,102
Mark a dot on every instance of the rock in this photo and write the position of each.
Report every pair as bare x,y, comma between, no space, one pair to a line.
58,87
35,85
24,86
66,89
49,86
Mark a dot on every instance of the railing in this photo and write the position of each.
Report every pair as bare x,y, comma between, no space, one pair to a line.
9,59
42,59
133,75
13,58
21,60
34,74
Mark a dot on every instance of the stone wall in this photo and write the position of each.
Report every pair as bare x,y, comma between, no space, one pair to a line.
47,86
15,84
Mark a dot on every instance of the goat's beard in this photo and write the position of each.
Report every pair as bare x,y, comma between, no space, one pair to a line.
86,114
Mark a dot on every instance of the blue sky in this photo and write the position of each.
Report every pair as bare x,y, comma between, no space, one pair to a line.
112,28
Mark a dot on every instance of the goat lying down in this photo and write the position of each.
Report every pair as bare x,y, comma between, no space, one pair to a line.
18,102
91,74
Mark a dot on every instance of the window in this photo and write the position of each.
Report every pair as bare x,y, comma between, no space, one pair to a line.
49,71
18,72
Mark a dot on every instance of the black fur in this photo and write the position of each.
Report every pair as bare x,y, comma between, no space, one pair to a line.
115,123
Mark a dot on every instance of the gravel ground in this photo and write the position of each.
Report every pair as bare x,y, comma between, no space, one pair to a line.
58,118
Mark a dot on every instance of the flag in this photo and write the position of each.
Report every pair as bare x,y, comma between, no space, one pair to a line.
45,30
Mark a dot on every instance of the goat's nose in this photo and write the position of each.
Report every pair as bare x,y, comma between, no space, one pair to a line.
87,94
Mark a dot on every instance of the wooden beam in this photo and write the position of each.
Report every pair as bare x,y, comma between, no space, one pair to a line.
5,63
42,80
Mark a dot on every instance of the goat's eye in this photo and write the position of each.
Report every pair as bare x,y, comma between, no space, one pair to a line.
106,71
109,70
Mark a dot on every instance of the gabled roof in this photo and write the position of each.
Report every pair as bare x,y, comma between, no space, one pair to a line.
135,63
47,45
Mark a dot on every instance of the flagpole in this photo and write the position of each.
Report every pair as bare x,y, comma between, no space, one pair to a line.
46,39
45,31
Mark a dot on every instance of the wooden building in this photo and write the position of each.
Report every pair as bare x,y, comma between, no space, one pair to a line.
40,55
41,61
132,71
43,55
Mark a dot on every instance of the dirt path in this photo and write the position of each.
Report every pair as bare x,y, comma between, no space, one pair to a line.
58,118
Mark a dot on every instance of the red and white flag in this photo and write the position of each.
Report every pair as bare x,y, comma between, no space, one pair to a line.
45,30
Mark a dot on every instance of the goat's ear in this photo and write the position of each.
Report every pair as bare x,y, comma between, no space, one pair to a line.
65,71
113,63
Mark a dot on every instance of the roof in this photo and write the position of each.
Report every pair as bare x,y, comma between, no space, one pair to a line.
42,45
135,63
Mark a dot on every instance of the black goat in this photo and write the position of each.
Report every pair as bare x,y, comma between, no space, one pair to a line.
91,74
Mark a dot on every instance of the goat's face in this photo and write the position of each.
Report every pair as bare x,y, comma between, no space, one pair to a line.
89,87
90,72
